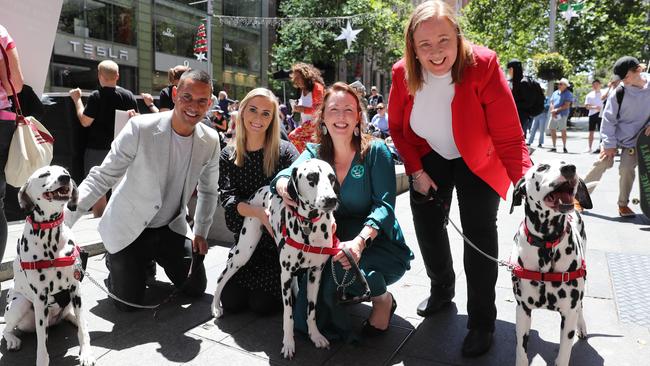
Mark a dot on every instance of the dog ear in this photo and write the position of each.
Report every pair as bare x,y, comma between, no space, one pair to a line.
74,197
582,195
518,193
292,189
24,200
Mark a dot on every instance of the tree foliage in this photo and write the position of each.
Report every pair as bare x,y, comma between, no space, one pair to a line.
381,37
604,31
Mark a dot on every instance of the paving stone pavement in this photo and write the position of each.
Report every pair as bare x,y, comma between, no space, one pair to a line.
186,334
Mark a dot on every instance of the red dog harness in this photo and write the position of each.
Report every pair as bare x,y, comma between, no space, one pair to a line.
333,250
525,274
58,262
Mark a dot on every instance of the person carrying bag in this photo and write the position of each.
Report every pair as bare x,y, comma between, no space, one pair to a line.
32,145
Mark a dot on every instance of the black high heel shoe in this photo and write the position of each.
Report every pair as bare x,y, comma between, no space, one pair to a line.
369,330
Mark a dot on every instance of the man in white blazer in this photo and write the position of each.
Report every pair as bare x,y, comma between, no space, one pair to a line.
161,157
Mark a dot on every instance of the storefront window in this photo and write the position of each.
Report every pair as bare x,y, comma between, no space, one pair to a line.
174,37
243,8
67,73
242,52
99,20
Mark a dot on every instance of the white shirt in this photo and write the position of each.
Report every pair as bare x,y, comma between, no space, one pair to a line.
305,101
431,114
593,98
180,153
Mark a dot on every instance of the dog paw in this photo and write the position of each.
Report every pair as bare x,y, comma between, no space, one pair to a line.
217,311
288,349
86,359
320,341
13,342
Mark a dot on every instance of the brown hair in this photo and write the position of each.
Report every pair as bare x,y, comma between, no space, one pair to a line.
174,74
360,143
464,55
309,73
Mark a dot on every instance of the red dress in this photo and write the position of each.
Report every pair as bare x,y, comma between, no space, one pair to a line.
306,132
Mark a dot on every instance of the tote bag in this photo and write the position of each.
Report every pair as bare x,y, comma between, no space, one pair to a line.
32,145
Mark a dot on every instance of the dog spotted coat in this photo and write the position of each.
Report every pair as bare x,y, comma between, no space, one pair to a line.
44,297
550,218
313,186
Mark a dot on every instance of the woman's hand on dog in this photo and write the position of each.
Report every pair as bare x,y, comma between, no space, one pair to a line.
281,186
422,182
356,247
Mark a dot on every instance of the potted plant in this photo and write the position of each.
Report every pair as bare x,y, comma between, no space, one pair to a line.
551,66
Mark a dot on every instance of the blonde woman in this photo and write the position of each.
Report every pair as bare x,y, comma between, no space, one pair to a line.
254,156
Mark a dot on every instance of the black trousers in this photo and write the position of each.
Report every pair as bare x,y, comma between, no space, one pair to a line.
170,250
478,204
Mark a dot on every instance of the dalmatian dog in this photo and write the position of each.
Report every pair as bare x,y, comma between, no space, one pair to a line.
549,253
310,226
46,281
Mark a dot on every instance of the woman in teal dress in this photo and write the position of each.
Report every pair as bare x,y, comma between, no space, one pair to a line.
365,218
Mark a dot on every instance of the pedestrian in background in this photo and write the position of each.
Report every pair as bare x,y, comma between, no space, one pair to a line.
559,108
99,117
594,103
308,80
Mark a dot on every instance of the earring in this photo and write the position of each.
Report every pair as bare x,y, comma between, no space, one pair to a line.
323,129
357,132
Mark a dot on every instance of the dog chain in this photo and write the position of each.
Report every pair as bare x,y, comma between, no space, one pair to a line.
85,273
497,260
341,285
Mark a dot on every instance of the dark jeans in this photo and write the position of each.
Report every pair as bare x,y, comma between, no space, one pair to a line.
236,298
7,129
128,267
478,204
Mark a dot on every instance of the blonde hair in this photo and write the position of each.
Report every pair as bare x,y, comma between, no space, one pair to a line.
360,143
464,55
108,69
272,141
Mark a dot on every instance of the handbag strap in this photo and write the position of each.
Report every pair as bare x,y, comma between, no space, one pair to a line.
14,96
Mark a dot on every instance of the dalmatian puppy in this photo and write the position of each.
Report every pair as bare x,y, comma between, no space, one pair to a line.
313,186
549,253
46,287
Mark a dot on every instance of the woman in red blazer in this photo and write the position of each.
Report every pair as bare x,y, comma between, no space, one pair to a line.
454,122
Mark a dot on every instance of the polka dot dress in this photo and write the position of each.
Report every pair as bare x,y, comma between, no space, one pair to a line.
237,184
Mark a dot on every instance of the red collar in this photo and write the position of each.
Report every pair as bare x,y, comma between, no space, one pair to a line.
333,250
58,262
525,274
301,217
45,224
532,240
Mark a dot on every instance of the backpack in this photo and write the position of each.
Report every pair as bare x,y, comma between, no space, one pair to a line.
620,93
535,94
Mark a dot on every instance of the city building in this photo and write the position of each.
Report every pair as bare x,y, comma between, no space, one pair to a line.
147,37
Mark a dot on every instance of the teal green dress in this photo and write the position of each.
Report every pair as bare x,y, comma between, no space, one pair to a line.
366,197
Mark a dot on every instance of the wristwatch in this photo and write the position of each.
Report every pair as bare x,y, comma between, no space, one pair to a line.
367,239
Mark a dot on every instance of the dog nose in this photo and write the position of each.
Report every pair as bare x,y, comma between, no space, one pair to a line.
568,171
330,203
64,179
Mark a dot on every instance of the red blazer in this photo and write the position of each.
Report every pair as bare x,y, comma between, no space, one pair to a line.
316,100
484,118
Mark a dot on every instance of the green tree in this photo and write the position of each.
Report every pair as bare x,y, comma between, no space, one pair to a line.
381,38
604,30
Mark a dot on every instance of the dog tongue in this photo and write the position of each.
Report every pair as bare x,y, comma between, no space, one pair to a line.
565,198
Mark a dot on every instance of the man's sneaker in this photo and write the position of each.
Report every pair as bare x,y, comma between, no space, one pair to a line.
597,151
540,145
577,206
553,149
625,211
565,150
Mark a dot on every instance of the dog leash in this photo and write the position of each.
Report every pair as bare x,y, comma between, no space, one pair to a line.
432,195
341,296
157,307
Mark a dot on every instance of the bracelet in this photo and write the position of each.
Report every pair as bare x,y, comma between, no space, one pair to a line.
416,177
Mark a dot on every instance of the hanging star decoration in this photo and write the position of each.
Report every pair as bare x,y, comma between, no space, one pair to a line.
348,34
569,14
